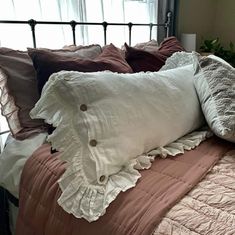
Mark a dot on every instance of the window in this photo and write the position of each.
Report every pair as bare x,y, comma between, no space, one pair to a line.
124,11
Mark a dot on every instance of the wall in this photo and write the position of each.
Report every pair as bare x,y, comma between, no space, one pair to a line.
208,19
224,25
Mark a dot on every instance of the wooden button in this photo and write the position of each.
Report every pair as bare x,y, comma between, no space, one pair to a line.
66,78
102,178
93,143
83,107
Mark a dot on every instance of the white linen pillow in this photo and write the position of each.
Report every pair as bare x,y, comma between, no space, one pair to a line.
215,85
107,122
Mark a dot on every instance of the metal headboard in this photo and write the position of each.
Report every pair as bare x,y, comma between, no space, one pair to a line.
32,23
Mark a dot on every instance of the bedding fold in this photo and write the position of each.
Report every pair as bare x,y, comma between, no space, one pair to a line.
136,211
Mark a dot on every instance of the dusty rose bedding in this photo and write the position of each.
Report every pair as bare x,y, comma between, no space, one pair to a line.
137,211
207,209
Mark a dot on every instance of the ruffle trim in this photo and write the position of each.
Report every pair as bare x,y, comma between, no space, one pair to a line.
8,106
90,201
50,109
187,142
178,59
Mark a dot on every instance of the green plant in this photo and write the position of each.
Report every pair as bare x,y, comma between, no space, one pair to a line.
214,46
210,45
227,54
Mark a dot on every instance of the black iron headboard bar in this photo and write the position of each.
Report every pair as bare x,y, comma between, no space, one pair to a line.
150,30
32,23
73,25
130,27
105,24
77,23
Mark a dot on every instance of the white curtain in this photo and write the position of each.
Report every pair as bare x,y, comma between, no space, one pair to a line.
124,11
165,6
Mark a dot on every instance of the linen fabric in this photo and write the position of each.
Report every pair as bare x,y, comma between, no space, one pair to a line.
208,207
178,59
183,58
142,209
84,52
46,63
152,60
18,91
18,86
13,159
107,122
147,46
215,85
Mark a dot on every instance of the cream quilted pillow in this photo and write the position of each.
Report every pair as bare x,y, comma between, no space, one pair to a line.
107,122
215,85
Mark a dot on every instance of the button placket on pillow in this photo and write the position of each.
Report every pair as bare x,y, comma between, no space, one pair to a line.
102,179
93,143
83,107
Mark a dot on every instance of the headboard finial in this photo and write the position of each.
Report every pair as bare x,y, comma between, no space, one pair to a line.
73,26
32,24
168,23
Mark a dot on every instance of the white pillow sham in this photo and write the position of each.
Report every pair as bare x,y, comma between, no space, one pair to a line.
178,59
215,85
106,122
183,58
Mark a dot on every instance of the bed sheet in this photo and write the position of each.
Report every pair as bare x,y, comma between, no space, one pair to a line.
13,158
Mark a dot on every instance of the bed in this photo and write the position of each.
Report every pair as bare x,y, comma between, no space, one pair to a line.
108,140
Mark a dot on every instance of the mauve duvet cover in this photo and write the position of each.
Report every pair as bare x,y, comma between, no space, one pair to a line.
137,211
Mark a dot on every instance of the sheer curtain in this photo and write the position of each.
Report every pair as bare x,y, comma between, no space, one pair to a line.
56,36
136,11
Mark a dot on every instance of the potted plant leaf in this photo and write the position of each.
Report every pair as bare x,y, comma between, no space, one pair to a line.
210,46
213,46
227,54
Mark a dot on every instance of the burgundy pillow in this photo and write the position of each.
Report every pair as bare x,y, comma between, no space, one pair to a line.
152,60
46,63
18,86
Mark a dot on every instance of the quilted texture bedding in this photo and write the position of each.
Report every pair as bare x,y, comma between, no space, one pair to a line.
138,210
209,208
